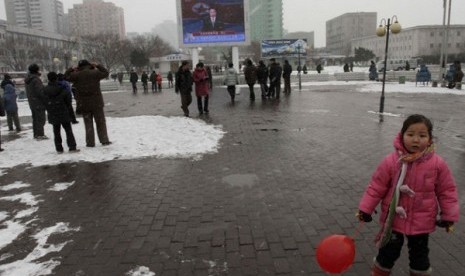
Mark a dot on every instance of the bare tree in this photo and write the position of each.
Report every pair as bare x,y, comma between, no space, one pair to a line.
103,48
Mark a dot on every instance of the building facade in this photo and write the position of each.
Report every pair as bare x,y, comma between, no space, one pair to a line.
340,31
414,42
21,46
94,17
45,15
266,19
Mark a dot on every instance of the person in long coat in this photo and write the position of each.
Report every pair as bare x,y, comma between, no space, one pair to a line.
250,74
201,81
373,71
35,98
183,85
262,76
89,100
57,101
287,71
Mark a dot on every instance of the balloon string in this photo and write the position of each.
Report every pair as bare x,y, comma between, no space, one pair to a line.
357,230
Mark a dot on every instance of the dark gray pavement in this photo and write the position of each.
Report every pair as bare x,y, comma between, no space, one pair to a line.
287,174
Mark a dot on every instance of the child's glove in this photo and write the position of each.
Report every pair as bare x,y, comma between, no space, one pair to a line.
362,216
449,225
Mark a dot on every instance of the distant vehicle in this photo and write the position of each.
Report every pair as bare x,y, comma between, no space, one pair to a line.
398,64
18,77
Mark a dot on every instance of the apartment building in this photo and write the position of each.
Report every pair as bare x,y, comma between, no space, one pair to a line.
266,19
414,42
94,17
340,31
45,15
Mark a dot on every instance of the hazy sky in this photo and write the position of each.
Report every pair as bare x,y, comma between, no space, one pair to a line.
299,15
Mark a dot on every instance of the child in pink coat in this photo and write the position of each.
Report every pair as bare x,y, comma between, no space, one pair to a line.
414,186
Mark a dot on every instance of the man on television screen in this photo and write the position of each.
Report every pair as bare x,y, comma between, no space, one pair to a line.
211,23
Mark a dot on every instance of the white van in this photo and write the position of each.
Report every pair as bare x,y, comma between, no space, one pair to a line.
397,64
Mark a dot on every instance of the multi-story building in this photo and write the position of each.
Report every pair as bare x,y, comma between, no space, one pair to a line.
21,46
266,19
414,42
94,17
341,30
45,15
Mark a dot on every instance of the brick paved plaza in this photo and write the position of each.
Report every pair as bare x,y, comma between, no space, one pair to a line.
287,174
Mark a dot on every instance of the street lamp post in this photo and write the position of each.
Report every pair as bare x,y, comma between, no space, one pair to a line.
383,29
57,62
298,71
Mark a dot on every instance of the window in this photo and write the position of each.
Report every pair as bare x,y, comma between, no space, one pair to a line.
431,46
432,34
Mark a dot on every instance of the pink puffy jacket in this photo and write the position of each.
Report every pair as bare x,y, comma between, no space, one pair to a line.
431,180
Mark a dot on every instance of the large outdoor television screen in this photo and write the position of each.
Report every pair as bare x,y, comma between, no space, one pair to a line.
277,48
205,22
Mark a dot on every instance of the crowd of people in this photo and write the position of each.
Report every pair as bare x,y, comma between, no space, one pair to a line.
53,101
261,74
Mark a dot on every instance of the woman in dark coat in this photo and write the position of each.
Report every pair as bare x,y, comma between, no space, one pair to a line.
57,102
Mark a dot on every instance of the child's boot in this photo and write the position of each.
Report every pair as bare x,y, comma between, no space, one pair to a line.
420,273
377,270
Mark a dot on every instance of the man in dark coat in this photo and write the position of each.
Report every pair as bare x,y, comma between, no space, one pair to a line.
250,74
133,78
262,77
35,98
89,100
211,23
287,71
57,101
184,81
153,80
144,78
275,79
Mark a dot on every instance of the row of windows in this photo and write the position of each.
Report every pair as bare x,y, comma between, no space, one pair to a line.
440,33
457,45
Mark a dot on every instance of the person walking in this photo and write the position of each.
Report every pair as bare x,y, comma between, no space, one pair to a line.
133,78
210,77
200,76
145,79
57,101
373,75
89,99
275,79
10,103
230,80
414,186
250,74
183,84
65,84
170,79
2,114
287,71
159,81
120,76
35,97
153,80
262,77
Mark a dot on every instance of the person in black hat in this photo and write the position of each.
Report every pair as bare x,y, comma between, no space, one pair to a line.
36,99
89,99
183,85
58,101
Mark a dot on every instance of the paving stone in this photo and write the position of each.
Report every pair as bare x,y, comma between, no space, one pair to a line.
180,217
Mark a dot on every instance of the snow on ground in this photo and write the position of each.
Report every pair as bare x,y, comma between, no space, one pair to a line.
140,271
36,262
132,137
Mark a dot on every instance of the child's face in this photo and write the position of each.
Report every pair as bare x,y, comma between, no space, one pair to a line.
416,138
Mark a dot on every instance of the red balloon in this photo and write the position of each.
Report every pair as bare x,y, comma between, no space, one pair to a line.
336,253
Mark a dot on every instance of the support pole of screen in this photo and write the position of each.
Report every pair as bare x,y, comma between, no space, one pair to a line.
235,58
